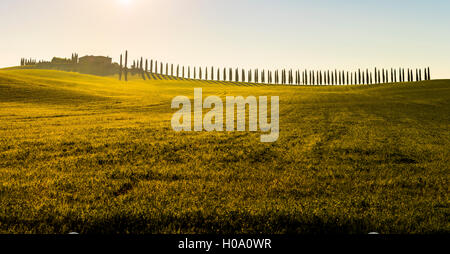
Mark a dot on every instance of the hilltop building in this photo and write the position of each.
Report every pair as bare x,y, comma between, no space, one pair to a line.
95,60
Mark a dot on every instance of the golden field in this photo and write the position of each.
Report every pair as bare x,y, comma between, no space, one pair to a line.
96,155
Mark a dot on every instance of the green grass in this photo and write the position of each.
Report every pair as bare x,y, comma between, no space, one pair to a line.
95,155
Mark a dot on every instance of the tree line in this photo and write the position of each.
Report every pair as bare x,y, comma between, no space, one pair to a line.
280,76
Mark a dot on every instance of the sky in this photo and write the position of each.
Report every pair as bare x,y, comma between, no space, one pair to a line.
264,34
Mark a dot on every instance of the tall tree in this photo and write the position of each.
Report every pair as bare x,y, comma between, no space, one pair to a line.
121,68
126,68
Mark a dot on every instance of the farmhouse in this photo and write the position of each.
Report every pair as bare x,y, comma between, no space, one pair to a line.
95,60
58,60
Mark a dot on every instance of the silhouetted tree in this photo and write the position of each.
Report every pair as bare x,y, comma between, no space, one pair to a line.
126,68
121,68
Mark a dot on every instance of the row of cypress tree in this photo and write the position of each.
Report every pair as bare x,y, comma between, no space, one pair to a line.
297,77
24,61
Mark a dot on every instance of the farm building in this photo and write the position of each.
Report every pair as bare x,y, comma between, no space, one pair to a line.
95,60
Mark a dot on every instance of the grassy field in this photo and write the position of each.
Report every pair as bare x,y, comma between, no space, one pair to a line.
95,155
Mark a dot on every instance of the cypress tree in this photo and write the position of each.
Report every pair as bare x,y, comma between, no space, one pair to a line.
376,76
359,76
171,69
200,72
120,69
206,73
178,70
161,68
156,67
126,68
212,72
367,76
363,77
335,77
224,74
189,72
243,75
332,78
182,70
151,66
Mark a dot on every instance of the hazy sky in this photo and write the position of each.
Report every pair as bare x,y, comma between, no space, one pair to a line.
343,34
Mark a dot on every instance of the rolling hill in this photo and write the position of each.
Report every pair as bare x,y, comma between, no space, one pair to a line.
97,155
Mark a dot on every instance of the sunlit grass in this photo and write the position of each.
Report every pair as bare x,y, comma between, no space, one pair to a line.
96,155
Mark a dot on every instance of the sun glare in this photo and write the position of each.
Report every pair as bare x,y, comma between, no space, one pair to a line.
125,2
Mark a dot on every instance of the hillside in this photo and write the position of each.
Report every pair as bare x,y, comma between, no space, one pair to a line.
97,155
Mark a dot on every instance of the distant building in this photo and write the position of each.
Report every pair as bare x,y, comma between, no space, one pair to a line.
58,60
95,60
